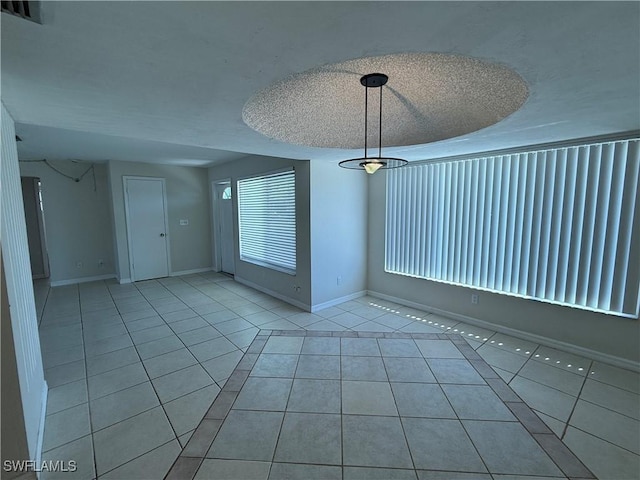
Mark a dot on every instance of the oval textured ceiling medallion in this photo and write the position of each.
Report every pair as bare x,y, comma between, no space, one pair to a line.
428,97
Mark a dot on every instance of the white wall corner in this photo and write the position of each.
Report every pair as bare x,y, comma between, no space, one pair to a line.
277,295
337,301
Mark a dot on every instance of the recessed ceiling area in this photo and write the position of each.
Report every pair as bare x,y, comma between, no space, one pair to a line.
429,97
180,73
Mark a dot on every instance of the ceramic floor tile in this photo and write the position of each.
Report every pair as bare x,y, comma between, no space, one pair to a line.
605,460
221,367
212,349
188,325
159,347
186,412
420,327
477,402
280,324
169,362
110,409
506,360
472,332
321,346
408,370
557,378
544,399
199,335
154,464
315,396
614,398
607,424
326,325
63,374
275,365
438,349
506,447
80,451
66,426
371,326
177,384
310,438
124,441
393,321
61,357
421,400
115,380
219,316
233,326
111,361
260,393
364,473
243,338
66,396
154,321
374,442
108,345
318,366
557,358
401,347
150,334
363,368
438,444
285,345
261,318
367,398
291,471
348,320
615,376
365,347
305,319
512,344
247,435
448,370
555,425
215,469
449,475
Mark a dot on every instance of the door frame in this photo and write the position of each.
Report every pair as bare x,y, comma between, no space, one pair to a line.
36,183
127,216
215,222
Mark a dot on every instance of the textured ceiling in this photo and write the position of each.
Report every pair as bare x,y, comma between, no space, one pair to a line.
429,97
122,80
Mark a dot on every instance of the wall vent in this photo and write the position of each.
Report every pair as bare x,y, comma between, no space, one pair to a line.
24,9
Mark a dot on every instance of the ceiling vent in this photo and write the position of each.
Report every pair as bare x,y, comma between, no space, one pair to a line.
27,10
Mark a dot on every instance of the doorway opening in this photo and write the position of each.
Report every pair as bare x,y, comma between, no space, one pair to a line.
224,249
34,218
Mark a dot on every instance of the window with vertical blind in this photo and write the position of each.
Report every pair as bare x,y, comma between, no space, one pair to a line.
559,225
267,220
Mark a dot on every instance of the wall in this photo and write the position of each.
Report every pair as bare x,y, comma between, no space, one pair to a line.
187,198
14,435
614,337
279,284
338,233
76,219
22,310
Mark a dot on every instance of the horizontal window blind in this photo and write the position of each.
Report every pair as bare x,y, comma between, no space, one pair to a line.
558,225
267,220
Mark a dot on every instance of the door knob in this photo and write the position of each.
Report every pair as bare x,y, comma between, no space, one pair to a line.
162,234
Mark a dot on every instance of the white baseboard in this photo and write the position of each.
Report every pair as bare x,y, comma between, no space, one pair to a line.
73,281
277,295
532,337
191,272
336,301
43,416
123,281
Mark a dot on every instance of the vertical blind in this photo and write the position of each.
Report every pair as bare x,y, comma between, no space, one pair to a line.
557,225
267,220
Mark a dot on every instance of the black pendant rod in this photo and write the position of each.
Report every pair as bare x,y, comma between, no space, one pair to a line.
366,116
380,131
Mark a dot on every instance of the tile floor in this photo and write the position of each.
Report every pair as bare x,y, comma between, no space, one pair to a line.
360,405
132,369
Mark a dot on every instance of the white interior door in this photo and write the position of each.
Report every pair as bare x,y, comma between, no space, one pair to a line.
147,227
225,227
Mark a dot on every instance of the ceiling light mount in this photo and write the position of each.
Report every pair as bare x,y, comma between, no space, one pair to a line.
373,164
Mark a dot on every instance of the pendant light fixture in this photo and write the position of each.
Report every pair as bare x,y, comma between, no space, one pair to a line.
373,164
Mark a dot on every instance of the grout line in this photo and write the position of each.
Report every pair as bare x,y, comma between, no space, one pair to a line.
575,404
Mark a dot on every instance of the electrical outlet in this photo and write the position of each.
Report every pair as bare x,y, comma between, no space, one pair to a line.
475,298
79,264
